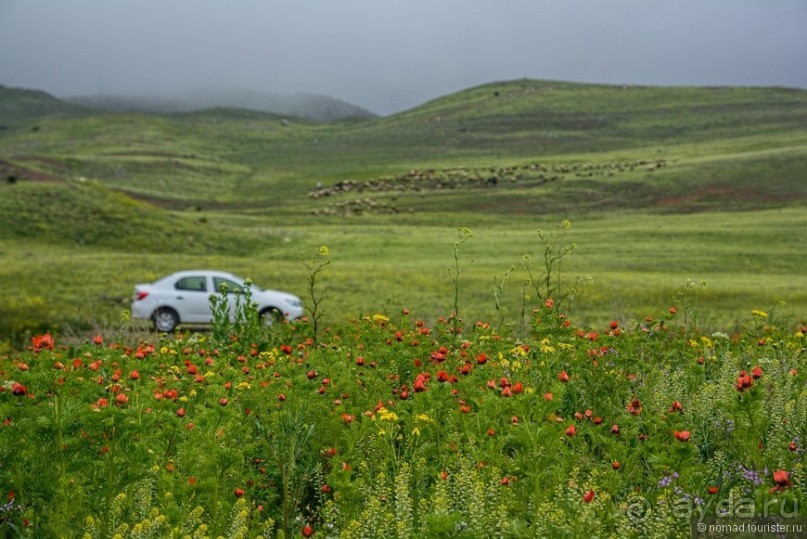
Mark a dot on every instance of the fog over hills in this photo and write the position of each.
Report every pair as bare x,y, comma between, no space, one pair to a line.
314,107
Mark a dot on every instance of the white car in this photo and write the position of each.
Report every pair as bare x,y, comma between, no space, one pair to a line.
184,298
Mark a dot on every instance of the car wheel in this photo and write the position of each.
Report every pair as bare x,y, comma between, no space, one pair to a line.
271,316
166,320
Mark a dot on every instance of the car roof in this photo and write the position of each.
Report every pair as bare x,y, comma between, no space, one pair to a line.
215,273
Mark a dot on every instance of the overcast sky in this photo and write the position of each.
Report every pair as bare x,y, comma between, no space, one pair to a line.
391,55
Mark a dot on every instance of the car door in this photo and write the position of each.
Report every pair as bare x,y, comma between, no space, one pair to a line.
192,298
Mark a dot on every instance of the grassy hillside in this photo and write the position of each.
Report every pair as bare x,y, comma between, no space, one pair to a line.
22,109
255,158
663,185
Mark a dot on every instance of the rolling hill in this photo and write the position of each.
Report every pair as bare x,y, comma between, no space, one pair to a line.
312,107
533,146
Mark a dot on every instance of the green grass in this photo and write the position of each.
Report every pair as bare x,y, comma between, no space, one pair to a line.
663,185
638,264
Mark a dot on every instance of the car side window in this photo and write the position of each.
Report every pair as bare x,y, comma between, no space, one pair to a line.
193,284
232,286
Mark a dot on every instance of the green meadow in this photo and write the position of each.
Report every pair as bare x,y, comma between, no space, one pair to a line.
536,309
693,197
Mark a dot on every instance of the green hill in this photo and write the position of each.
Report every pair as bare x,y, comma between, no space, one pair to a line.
22,108
238,158
88,214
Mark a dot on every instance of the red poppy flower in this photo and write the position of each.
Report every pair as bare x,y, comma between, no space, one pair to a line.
681,436
744,382
756,373
588,496
563,377
781,478
98,340
308,531
42,341
634,407
676,407
238,492
571,431
420,384
18,390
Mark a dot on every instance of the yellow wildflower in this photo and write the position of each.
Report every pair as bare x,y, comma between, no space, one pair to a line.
380,319
386,415
519,351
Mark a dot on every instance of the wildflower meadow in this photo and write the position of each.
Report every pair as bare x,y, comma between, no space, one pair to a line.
396,425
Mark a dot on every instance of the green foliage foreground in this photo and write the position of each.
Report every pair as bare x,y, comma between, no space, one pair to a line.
393,427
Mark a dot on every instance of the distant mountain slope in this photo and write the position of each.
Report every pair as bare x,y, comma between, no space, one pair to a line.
20,106
314,107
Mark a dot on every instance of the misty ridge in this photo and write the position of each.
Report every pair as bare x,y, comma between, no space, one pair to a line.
314,107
